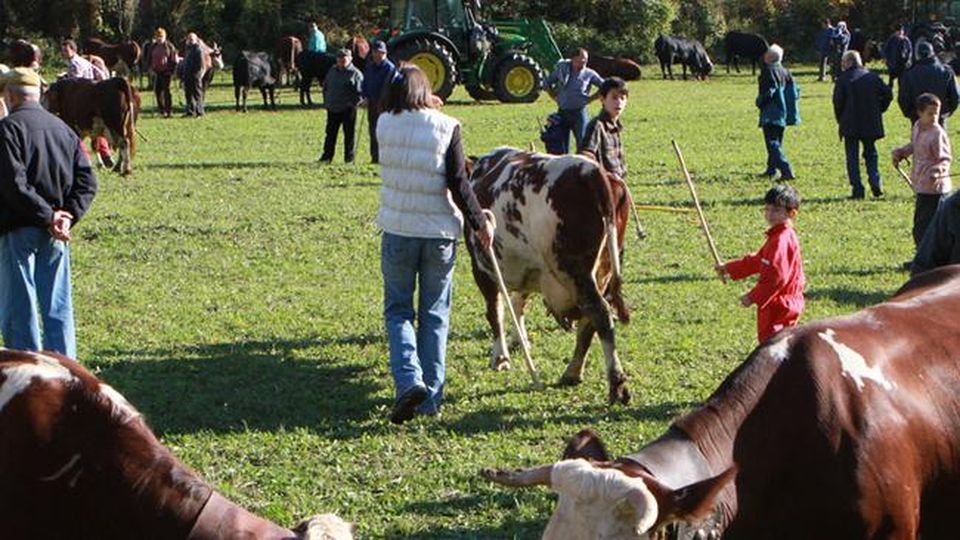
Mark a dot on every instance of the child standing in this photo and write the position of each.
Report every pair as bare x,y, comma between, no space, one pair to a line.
930,175
778,293
602,136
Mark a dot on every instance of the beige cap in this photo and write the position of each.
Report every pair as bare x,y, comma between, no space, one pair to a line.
20,76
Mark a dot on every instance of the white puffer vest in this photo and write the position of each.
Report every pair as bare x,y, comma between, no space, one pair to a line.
414,199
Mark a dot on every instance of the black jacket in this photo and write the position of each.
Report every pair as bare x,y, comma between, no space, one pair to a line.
928,75
859,101
42,168
941,243
897,52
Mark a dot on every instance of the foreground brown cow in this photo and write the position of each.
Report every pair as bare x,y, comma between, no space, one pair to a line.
606,66
560,227
108,108
78,461
287,50
843,429
121,58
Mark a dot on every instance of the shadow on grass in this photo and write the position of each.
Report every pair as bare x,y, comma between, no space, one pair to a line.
256,385
850,297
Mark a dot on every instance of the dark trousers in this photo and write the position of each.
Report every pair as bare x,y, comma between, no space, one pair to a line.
193,88
776,160
373,113
348,119
923,210
852,146
161,89
573,120
824,59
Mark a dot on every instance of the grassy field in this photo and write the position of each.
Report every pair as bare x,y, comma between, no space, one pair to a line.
230,289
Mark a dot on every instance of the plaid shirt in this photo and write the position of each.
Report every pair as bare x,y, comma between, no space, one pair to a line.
603,141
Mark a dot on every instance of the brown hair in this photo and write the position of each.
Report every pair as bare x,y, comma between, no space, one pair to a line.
926,100
410,90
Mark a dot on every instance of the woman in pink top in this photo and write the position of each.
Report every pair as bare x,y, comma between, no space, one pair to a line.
930,148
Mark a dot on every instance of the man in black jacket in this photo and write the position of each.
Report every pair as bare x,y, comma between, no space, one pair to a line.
859,99
46,186
928,75
193,69
897,52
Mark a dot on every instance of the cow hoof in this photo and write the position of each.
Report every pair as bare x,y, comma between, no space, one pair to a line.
619,393
501,363
569,380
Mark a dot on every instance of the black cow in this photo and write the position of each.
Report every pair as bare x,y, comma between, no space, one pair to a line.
312,65
748,46
253,69
687,52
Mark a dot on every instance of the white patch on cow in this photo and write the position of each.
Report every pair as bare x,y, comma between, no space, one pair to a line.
779,349
62,470
122,409
853,364
21,376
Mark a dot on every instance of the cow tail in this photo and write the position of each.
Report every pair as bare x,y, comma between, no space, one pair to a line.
609,211
129,128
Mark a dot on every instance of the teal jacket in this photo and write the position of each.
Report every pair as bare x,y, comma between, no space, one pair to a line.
778,98
316,42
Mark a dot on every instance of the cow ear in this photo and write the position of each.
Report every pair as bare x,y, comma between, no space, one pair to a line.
692,503
470,163
587,445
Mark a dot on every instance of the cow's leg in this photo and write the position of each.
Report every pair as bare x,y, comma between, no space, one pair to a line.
684,66
573,375
594,307
519,302
499,352
236,97
123,145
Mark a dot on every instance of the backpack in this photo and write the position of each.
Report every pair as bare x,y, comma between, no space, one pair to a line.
552,134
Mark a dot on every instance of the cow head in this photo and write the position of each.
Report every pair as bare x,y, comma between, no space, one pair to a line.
601,499
325,527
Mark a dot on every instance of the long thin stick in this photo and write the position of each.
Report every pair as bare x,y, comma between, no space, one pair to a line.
696,202
660,208
524,344
904,176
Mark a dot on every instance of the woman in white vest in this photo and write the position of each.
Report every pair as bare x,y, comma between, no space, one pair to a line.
423,201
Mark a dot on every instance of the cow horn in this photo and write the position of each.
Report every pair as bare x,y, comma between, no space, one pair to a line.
537,476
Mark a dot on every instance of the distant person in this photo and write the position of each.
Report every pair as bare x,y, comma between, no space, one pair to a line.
928,75
316,42
194,68
777,100
378,73
603,137
823,42
342,91
163,62
46,186
940,244
859,100
79,67
898,54
930,175
425,198
569,86
778,293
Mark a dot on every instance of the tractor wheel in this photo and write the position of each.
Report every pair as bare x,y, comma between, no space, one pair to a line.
480,93
435,60
518,79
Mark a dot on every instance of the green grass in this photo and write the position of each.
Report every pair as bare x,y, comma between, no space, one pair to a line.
230,289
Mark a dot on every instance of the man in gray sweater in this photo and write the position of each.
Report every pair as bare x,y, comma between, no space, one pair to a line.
342,89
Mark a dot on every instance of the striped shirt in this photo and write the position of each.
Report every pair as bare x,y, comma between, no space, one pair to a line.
602,139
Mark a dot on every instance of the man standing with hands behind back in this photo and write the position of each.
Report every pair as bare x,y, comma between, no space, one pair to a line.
569,85
46,186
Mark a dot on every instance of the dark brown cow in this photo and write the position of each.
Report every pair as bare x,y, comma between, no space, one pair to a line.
121,58
108,108
561,223
606,66
287,50
843,429
78,461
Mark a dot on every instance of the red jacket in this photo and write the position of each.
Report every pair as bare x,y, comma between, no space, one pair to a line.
780,267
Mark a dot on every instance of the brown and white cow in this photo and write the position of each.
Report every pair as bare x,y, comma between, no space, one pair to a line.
108,108
78,461
287,50
560,227
121,58
843,429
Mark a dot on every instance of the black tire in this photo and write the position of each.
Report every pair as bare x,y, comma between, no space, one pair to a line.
519,79
480,93
436,61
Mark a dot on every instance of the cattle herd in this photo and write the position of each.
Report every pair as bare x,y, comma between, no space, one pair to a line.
846,428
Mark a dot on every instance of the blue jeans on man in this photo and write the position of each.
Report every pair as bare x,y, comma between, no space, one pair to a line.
417,338
575,121
776,160
35,271
852,145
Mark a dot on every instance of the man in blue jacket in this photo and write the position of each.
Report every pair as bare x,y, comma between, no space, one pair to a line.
928,75
777,100
569,85
46,186
823,40
859,100
378,73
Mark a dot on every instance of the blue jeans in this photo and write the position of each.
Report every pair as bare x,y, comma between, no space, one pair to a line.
573,120
35,271
776,160
417,352
852,145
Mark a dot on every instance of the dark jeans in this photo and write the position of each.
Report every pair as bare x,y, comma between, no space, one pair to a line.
853,165
347,119
161,89
373,113
574,120
193,88
923,210
824,59
776,160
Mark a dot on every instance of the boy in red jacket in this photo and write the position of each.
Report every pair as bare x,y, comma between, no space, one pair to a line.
778,293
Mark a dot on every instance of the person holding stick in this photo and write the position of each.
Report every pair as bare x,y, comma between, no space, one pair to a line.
778,293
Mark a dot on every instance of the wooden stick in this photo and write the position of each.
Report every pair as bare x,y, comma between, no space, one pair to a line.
904,176
696,203
659,208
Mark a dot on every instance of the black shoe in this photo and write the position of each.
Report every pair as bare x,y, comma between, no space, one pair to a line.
877,193
768,174
325,160
406,405
787,177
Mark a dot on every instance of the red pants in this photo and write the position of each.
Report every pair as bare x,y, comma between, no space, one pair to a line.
777,315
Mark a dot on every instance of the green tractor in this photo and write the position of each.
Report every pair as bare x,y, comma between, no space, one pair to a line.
502,60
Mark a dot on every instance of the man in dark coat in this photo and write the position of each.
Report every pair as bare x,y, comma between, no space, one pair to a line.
342,92
376,75
898,53
823,47
193,70
941,243
859,100
928,75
